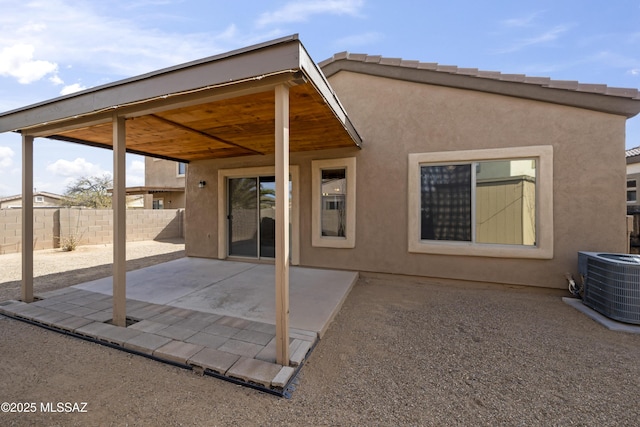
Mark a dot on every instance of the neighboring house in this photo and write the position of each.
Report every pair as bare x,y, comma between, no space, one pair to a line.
41,199
395,166
633,201
633,180
135,201
163,184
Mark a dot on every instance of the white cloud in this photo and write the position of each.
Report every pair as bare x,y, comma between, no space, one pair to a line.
545,37
17,61
56,80
135,173
76,87
300,11
634,72
75,169
525,21
136,166
96,37
6,157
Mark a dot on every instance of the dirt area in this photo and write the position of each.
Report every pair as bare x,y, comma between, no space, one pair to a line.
400,352
53,268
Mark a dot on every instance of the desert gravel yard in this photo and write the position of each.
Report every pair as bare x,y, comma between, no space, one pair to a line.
400,352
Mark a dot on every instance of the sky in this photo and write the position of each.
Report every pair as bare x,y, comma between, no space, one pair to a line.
50,48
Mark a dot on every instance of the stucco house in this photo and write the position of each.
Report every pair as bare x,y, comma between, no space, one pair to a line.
163,188
422,201
41,199
379,165
633,202
632,156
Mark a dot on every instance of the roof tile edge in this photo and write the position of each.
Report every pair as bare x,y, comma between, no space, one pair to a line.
599,89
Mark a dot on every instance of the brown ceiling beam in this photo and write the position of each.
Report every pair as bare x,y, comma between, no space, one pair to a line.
110,147
203,134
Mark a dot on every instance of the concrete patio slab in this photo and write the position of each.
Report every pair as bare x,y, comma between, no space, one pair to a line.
50,317
603,320
253,337
28,311
215,316
176,333
94,330
300,353
80,311
197,324
171,280
100,304
254,370
241,348
208,340
283,377
72,323
146,343
225,331
101,316
119,335
213,360
177,351
239,290
148,326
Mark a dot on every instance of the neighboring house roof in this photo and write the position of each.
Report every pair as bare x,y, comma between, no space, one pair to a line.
631,152
38,193
598,97
633,155
149,190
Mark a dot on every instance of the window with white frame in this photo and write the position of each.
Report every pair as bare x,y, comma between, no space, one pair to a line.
482,202
182,169
334,197
632,194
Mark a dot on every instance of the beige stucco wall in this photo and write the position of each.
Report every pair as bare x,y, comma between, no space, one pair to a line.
164,173
395,118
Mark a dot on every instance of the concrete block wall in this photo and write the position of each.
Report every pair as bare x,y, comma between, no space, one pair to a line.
89,226
44,229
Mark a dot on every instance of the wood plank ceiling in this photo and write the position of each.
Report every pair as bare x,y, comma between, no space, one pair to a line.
231,127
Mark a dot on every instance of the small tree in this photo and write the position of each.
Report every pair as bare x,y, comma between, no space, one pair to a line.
90,192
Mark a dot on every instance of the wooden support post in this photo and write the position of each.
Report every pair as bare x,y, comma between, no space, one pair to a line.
119,223
27,218
282,224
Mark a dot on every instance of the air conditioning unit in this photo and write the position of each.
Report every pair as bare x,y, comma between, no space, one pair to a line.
611,284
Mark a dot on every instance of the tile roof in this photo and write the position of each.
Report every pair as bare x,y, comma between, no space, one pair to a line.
546,82
632,152
35,193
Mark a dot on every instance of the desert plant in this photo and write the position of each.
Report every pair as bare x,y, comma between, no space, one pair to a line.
70,243
72,240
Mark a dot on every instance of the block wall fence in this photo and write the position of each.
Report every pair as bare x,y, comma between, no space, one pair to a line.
89,226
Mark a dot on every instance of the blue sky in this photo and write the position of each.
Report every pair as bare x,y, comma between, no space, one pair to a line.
54,47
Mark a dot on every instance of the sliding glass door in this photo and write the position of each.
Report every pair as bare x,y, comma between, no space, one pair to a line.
252,217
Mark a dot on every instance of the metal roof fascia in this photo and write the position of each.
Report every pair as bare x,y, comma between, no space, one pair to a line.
253,61
318,79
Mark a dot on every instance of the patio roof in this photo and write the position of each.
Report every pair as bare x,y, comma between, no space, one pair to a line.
216,107
269,98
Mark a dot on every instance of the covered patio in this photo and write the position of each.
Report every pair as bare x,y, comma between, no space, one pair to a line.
268,100
216,317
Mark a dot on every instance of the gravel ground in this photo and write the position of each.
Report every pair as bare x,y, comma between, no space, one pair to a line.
53,268
399,353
